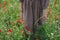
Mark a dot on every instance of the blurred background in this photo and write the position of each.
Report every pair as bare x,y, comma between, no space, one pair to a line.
11,24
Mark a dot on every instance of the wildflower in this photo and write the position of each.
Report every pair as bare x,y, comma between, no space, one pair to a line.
0,5
5,2
27,28
19,21
9,30
0,30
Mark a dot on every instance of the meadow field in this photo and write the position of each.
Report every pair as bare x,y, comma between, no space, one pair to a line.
11,24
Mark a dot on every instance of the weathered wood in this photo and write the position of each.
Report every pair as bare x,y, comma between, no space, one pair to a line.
31,11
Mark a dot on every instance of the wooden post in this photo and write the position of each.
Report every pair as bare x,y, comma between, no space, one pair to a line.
32,10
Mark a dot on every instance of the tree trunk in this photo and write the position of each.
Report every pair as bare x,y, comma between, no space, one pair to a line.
32,10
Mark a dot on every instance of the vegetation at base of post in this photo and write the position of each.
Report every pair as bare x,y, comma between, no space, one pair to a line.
11,26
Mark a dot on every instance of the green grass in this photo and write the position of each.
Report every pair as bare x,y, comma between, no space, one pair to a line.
11,12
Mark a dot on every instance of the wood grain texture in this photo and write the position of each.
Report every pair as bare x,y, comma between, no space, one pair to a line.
32,10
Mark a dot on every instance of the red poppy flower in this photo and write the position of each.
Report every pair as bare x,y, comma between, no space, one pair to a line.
27,28
5,2
0,30
9,30
19,21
